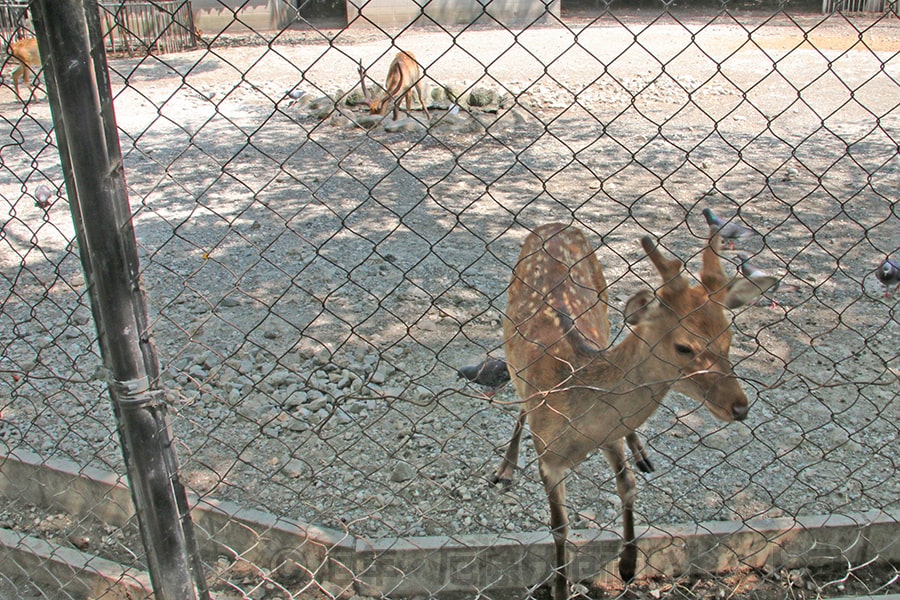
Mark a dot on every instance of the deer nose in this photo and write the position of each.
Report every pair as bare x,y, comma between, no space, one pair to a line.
740,412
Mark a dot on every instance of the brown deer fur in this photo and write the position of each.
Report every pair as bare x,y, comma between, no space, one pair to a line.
404,75
580,395
25,51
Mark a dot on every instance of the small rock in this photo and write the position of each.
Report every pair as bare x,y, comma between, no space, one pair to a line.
278,378
450,92
317,404
367,121
295,468
82,542
380,375
402,472
81,316
322,356
295,399
341,121
402,125
297,424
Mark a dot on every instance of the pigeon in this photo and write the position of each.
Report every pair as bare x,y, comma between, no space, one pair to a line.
490,373
888,274
43,195
754,273
729,230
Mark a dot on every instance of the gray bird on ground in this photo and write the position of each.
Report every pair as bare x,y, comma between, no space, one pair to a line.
491,373
730,230
888,274
769,284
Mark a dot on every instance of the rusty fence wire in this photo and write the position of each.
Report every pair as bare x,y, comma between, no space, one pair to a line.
317,275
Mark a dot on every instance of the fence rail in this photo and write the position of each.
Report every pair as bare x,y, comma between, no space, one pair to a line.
314,276
856,6
129,27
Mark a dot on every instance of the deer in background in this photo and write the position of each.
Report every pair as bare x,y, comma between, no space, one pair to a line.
403,76
25,52
579,395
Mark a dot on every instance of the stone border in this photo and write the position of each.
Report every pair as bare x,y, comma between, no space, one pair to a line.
407,566
70,570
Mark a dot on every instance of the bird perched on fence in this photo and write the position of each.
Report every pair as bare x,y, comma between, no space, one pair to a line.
727,228
491,373
769,284
888,274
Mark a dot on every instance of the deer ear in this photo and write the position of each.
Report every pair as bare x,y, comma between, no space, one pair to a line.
744,291
636,307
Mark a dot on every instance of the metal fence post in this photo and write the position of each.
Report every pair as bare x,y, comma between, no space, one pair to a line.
81,101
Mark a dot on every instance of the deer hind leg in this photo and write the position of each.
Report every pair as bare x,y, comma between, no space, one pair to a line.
637,451
421,94
20,73
505,472
626,486
407,96
555,486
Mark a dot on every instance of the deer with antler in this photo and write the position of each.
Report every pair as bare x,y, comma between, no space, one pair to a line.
579,395
404,76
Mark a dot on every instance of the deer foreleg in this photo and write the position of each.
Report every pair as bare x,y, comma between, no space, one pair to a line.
555,486
504,473
626,486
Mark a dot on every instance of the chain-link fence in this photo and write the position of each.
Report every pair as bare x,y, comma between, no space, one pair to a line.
315,277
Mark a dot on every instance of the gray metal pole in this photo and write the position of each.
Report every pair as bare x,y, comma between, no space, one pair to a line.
81,102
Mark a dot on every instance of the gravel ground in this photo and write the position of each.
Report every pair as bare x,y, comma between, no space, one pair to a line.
313,288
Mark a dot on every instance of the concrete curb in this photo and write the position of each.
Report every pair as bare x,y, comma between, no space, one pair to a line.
77,573
406,566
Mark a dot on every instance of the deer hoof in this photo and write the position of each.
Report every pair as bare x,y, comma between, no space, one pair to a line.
627,562
501,480
645,466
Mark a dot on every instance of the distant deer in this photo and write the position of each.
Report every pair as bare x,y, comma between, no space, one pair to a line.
579,394
25,51
403,76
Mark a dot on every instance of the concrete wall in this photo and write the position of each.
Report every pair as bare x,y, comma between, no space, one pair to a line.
428,565
398,13
213,16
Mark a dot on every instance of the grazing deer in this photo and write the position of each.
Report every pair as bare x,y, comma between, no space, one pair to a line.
579,394
25,51
403,76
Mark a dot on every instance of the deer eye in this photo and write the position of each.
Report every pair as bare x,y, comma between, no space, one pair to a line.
684,350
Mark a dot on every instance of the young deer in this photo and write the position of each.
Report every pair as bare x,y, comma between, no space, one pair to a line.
403,76
25,51
579,394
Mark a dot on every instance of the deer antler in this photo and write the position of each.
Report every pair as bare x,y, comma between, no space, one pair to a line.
713,275
669,269
362,83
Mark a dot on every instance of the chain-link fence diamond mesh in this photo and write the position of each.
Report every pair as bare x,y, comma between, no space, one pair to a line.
316,276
